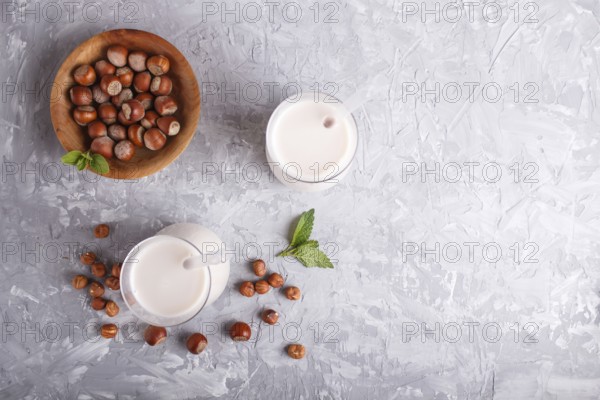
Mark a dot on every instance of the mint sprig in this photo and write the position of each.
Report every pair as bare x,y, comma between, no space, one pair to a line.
304,250
96,162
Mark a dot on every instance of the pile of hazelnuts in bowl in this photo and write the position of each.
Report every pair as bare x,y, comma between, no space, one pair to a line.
125,103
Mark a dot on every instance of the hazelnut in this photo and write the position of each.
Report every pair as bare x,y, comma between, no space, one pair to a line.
146,99
103,67
137,60
101,231
103,146
111,85
83,115
154,139
124,150
270,316
99,95
97,129
275,280
247,289
117,55
168,125
125,75
259,267
133,110
107,113
109,331
112,308
196,343
165,105
96,289
158,65
292,293
261,287
135,133
87,258
154,335
79,281
81,95
118,100
122,120
98,303
85,75
116,270
240,332
296,351
161,86
141,81
117,132
113,283
98,269
149,120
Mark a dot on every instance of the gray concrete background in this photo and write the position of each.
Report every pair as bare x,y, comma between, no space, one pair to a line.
502,270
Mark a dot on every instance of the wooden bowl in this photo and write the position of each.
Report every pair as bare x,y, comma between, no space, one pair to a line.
185,92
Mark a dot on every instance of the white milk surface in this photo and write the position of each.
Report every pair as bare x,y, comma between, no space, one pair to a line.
160,283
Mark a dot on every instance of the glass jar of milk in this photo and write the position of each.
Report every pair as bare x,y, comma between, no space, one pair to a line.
311,141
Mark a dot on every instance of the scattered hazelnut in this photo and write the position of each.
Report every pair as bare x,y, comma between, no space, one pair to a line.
103,67
158,65
154,139
137,60
247,289
270,316
101,231
275,280
135,133
141,81
98,269
122,97
117,132
111,85
81,95
196,343
296,351
168,125
79,281
103,146
240,332
165,105
154,335
259,267
149,120
133,110
87,258
116,270
125,75
99,95
97,129
292,293
83,115
146,99
117,55
261,287
109,331
112,308
107,113
113,283
96,289
98,303
124,150
161,86
85,75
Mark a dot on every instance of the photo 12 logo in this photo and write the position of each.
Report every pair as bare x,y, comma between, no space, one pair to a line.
271,11
53,12
470,252
469,332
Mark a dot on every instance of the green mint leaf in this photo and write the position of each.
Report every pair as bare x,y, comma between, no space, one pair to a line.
99,164
312,257
71,157
87,155
82,163
304,228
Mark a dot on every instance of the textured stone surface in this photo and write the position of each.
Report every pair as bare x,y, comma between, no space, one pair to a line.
542,292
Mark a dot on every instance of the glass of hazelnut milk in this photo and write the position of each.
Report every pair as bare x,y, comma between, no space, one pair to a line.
311,141
169,278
